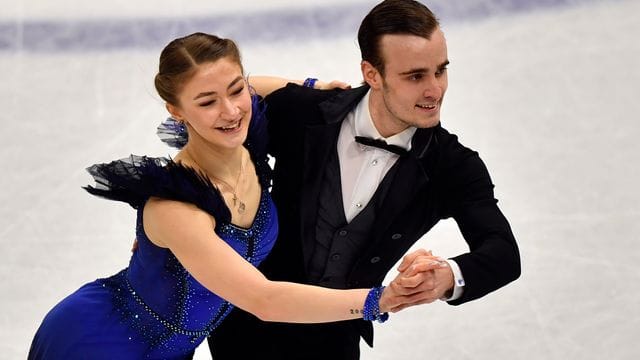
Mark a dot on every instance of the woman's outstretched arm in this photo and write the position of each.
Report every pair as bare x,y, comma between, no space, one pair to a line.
265,85
188,232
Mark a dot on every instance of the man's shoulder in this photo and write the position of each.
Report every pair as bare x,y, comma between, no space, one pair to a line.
293,95
448,141
450,152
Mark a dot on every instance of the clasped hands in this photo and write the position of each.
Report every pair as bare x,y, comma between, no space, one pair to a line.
422,279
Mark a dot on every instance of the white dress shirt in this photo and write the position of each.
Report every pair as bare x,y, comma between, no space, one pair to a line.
362,167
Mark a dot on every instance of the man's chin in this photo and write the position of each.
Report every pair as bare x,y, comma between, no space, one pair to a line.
425,124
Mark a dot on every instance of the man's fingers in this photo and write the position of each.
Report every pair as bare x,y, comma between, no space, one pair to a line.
425,264
409,258
415,280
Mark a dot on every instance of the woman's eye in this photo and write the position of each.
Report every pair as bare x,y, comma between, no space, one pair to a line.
211,102
238,91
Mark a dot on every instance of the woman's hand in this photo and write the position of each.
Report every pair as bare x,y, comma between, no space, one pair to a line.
334,84
390,300
416,283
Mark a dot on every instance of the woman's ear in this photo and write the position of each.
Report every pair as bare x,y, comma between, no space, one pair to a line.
175,112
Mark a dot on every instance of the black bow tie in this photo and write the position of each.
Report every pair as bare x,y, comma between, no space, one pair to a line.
381,144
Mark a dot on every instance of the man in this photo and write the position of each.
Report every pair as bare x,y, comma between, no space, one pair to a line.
349,210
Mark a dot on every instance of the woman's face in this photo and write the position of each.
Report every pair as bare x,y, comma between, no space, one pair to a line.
215,104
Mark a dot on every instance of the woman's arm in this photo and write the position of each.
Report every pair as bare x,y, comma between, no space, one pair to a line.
188,232
265,85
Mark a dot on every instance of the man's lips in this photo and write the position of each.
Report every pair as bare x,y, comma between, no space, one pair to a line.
427,106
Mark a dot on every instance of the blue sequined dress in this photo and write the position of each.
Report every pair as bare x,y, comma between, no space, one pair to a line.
154,309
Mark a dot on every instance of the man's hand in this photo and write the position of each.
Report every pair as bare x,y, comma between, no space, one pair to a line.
423,278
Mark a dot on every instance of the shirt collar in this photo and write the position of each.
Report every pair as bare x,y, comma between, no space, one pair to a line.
364,126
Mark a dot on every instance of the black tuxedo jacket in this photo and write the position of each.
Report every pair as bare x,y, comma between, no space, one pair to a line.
438,179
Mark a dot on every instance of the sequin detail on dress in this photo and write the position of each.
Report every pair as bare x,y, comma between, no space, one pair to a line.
154,309
177,323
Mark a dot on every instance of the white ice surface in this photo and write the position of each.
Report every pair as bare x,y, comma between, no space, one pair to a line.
548,98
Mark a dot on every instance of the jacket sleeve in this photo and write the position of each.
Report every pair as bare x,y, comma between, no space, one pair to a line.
493,260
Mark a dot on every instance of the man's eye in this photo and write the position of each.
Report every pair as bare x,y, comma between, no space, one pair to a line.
441,71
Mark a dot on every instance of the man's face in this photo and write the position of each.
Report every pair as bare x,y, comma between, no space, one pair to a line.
414,82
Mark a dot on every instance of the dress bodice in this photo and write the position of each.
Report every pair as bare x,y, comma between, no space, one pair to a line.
168,309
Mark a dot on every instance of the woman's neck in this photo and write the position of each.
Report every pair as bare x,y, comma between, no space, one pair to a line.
221,163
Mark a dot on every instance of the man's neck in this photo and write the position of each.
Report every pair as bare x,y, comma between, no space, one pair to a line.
382,119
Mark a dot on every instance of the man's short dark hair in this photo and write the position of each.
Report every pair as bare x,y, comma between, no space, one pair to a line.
400,17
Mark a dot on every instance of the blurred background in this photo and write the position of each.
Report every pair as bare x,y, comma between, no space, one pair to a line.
544,90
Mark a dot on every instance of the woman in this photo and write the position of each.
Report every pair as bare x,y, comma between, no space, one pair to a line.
204,222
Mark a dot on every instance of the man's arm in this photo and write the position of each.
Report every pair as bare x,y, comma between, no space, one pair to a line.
494,259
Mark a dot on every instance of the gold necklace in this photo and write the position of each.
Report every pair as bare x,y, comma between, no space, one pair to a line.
233,189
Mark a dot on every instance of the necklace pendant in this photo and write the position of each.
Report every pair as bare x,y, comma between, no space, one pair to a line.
241,208
235,199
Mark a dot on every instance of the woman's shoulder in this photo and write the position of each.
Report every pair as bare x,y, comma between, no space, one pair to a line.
136,179
165,219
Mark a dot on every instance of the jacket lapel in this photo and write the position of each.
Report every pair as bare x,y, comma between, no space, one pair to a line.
320,140
409,178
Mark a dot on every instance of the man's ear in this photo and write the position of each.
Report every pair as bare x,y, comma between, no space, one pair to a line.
175,112
371,75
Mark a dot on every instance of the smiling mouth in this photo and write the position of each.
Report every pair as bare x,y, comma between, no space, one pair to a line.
231,127
427,107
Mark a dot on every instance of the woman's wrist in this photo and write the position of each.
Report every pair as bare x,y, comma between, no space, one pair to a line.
323,85
371,309
310,82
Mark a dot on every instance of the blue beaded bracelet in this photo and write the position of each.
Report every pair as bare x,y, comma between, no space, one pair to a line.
371,310
309,82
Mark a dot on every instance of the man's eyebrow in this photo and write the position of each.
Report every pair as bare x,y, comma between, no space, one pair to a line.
423,70
415,71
